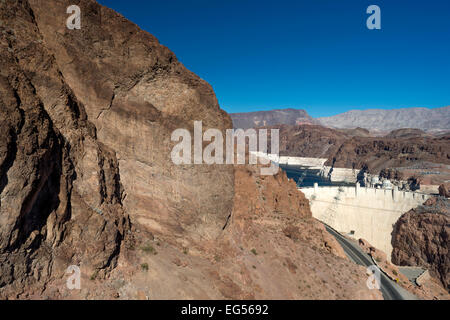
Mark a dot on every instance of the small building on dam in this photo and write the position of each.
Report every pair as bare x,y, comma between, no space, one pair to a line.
361,212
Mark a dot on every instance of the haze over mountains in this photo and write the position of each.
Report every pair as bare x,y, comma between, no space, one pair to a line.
387,120
376,120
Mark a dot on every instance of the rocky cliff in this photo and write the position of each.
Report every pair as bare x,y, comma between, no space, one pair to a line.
421,238
379,153
85,147
86,177
61,194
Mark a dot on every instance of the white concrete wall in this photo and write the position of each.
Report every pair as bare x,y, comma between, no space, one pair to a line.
370,213
293,161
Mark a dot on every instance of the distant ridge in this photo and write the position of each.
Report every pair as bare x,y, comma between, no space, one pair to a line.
379,121
430,120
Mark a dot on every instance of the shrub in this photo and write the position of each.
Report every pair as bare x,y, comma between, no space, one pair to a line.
149,249
144,266
94,275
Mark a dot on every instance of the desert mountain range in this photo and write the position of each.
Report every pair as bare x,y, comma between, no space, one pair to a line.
433,120
375,120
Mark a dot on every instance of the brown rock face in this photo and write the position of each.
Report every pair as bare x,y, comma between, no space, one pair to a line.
77,105
86,177
444,190
421,238
60,190
136,93
380,153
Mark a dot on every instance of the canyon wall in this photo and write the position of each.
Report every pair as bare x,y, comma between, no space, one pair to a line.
421,238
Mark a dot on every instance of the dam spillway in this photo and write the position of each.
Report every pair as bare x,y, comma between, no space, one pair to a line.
361,212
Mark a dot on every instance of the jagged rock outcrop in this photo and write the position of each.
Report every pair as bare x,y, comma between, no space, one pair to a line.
86,177
137,93
60,187
421,238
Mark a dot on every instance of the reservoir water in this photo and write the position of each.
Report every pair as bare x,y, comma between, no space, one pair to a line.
306,177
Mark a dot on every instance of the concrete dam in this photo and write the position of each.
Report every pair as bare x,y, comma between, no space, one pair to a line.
361,212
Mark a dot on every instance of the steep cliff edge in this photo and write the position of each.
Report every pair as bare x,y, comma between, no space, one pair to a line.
137,93
60,188
421,238
86,177
73,113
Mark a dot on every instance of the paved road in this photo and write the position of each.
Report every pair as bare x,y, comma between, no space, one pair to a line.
389,289
412,273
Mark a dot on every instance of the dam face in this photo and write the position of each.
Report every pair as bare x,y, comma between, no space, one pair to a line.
366,213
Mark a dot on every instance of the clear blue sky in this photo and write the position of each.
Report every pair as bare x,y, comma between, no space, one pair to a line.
312,54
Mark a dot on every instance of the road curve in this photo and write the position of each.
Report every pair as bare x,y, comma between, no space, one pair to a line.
389,289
